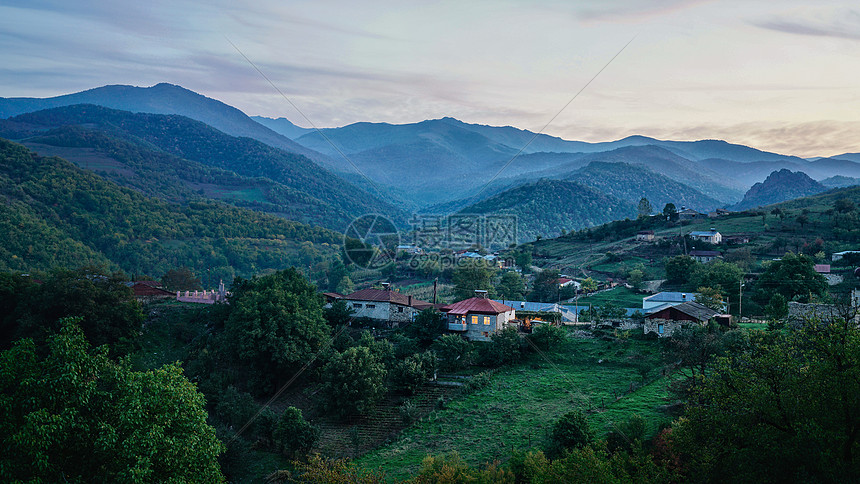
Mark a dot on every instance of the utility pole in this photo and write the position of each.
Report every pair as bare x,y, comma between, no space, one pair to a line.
740,299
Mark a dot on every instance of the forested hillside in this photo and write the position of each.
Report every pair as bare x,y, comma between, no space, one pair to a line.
55,214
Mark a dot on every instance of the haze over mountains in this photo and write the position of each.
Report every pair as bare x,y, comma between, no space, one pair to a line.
183,145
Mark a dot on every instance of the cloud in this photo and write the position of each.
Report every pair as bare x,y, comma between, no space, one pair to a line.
843,24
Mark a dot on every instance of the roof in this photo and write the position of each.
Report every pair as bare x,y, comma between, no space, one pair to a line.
141,289
381,295
704,253
333,295
477,305
692,309
564,280
822,268
703,233
675,297
645,232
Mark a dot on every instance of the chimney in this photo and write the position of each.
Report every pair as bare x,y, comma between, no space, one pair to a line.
386,286
410,300
480,293
522,304
713,229
684,296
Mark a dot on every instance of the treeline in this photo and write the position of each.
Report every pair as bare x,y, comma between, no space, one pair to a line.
57,214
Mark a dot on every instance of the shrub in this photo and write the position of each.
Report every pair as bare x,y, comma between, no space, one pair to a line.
293,435
571,431
453,352
547,336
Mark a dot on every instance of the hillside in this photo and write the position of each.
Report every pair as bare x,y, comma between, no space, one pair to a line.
780,186
631,183
546,207
164,99
840,181
282,126
301,185
57,214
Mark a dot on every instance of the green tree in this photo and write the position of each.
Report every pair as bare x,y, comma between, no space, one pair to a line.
670,212
679,268
73,415
545,287
276,324
429,324
471,275
793,276
523,258
181,279
547,336
844,205
589,285
777,307
644,208
511,286
761,410
293,435
408,375
710,297
453,352
635,277
338,313
571,431
353,382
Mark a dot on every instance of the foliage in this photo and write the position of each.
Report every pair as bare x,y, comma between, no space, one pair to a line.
720,275
408,375
74,415
276,324
471,275
644,208
181,279
353,382
505,347
571,431
547,336
627,435
786,408
545,287
109,312
793,276
451,469
679,268
294,436
338,313
318,470
511,286
710,297
670,212
453,352
777,307
589,285
428,325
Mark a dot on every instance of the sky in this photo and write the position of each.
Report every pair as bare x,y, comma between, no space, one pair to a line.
780,76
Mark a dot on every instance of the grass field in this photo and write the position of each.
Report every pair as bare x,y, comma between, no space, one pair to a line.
619,296
522,402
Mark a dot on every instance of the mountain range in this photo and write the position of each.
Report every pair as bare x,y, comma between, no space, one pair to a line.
780,186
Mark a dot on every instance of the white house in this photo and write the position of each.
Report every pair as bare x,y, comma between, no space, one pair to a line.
478,317
711,236
384,305
704,256
666,299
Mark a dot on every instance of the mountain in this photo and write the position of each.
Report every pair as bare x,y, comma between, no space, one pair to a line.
299,183
780,186
848,156
56,214
164,99
283,126
631,183
839,181
546,207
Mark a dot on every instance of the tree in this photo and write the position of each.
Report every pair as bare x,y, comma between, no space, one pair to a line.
710,297
453,352
758,414
679,268
635,278
511,286
181,279
338,313
73,415
844,205
545,286
547,336
793,276
471,275
571,431
353,382
777,307
276,324
429,324
802,220
723,276
293,435
589,285
505,347
409,374
644,208
670,212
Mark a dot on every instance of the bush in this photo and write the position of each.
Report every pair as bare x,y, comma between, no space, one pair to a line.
354,381
408,411
571,431
453,352
408,375
547,336
293,435
627,435
506,347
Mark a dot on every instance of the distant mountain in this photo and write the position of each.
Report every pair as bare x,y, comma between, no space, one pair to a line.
303,184
164,99
848,156
282,126
631,183
780,186
839,181
546,207
55,214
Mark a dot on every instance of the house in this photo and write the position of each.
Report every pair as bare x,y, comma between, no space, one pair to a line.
839,255
384,305
666,299
689,214
331,297
824,270
720,212
410,249
149,291
566,281
736,239
645,235
478,317
711,236
204,297
704,256
566,313
665,321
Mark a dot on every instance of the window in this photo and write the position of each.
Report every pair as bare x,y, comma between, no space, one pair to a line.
486,320
356,305
371,306
485,333
660,328
474,319
399,309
